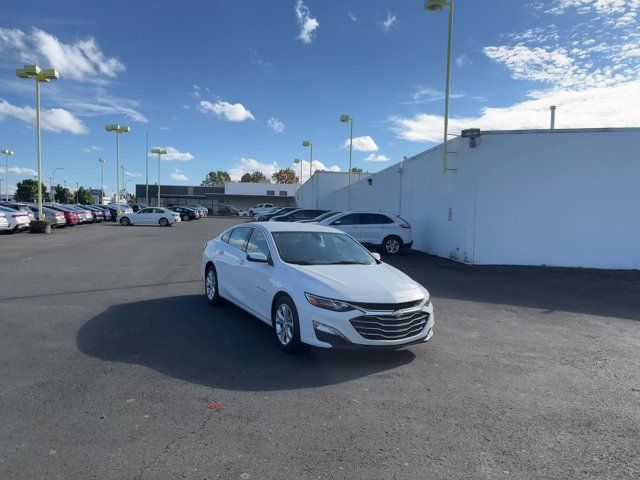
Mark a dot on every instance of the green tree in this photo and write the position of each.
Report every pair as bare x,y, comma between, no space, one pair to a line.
356,170
62,194
285,175
214,179
83,196
255,177
27,190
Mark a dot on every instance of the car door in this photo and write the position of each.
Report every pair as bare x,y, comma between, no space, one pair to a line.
349,223
141,217
258,289
374,227
230,262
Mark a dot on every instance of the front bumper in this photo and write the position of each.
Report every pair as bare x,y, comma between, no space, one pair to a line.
327,329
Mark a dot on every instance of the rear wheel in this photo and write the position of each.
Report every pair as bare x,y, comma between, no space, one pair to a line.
286,326
185,218
163,222
392,245
125,221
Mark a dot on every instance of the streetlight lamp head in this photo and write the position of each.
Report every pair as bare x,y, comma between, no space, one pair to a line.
101,160
159,151
306,143
297,160
111,128
345,118
7,152
50,74
434,5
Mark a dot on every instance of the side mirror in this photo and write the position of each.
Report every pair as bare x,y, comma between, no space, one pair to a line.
337,222
376,255
258,257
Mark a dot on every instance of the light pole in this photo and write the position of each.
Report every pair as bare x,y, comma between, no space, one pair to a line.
77,196
348,119
160,152
6,172
102,161
53,180
146,170
437,6
117,129
307,143
297,160
40,76
123,170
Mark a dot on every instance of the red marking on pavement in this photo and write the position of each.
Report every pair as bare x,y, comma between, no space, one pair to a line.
217,406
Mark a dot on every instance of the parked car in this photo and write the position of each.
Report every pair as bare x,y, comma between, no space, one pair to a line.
18,219
320,217
260,208
138,206
185,213
102,214
296,215
84,216
265,217
228,210
243,213
98,216
116,209
149,216
4,223
70,216
21,207
203,210
389,232
55,217
315,285
105,211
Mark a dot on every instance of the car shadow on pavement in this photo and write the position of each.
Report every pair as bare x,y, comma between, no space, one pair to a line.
220,346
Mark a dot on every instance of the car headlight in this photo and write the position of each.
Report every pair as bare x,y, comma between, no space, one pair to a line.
427,299
328,303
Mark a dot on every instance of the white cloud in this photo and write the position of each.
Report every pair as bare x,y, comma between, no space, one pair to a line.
257,59
306,22
232,112
375,157
174,155
616,13
613,106
195,91
92,148
178,175
389,22
317,165
275,125
133,174
82,60
428,94
463,60
18,171
351,16
53,120
250,165
362,144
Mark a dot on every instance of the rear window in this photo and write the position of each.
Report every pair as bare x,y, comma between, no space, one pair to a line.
374,219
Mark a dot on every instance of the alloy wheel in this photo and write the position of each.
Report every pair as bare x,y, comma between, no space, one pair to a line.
392,246
284,324
210,284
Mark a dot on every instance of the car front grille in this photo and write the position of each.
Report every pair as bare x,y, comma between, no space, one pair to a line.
386,306
389,327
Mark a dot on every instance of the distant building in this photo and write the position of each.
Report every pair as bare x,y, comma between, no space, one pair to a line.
317,192
239,194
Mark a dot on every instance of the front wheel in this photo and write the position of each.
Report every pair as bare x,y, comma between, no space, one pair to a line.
211,285
185,218
392,245
286,326
163,222
124,221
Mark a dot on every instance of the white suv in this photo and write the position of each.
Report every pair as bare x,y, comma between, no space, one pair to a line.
260,208
389,232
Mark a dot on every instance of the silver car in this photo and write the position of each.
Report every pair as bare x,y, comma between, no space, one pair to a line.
56,218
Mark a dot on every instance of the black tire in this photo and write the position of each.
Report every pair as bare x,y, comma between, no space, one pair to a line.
289,342
211,290
163,222
124,221
392,245
186,218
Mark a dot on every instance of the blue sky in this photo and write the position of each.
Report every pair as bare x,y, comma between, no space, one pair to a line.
238,85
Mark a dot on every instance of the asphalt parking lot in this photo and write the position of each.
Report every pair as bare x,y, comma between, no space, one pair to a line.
114,366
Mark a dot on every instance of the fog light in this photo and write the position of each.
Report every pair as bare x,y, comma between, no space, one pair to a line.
327,329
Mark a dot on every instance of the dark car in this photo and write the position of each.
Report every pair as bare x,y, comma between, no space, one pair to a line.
185,213
301,214
138,206
265,217
228,210
98,215
320,217
105,211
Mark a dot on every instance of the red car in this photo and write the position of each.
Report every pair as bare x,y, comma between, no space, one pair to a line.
69,215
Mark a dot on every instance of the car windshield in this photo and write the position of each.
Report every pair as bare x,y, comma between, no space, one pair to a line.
321,248
325,215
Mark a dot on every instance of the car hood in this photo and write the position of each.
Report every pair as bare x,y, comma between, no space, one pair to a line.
380,283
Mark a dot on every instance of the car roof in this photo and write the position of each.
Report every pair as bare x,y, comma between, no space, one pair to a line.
289,227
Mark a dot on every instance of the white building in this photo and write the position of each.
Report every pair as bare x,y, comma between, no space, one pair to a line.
531,197
317,192
260,189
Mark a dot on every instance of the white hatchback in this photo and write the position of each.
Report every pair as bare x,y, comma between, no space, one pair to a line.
149,216
315,285
391,233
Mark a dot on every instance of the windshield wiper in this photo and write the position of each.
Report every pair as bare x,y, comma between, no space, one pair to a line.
347,262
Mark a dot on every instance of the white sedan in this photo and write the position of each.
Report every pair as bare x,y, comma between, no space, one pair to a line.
315,285
149,216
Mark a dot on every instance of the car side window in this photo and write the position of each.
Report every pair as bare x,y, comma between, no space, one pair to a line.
238,237
145,210
258,243
374,219
225,237
351,219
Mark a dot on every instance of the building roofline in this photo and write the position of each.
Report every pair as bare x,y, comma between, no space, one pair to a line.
563,130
